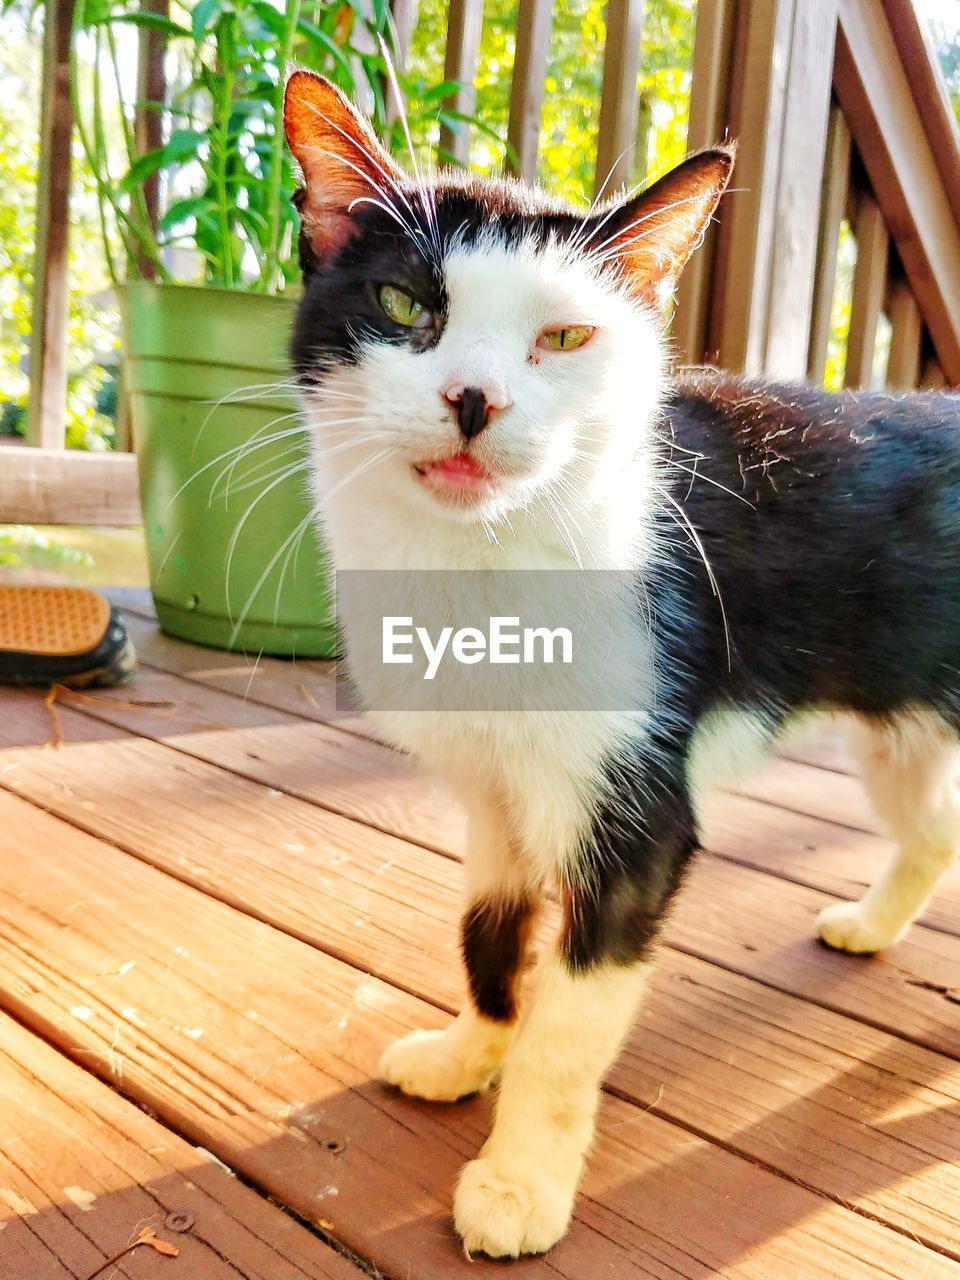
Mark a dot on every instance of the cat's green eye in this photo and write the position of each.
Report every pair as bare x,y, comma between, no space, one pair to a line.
567,339
399,306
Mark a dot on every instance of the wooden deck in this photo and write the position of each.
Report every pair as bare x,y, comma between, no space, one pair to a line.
219,903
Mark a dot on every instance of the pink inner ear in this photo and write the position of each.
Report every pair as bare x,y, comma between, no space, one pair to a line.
340,157
661,228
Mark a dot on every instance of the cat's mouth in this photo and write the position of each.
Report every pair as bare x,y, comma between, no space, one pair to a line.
457,474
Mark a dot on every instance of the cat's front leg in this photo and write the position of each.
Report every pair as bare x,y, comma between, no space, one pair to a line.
517,1197
443,1066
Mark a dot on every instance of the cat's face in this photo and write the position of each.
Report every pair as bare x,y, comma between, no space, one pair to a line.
469,345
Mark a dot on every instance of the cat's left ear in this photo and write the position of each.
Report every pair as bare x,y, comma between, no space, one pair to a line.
654,234
341,159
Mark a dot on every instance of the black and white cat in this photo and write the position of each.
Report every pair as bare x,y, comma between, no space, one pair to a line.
485,380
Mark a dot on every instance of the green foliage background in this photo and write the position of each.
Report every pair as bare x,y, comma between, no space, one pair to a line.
91,320
571,107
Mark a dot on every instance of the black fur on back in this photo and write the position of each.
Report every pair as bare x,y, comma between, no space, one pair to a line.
836,550
831,524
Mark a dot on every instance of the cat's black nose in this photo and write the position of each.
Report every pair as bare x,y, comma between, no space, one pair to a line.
472,410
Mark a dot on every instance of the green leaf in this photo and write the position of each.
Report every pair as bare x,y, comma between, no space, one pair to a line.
182,143
155,21
323,41
205,15
181,210
439,91
92,12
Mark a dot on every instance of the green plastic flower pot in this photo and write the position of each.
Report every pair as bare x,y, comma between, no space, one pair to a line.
235,559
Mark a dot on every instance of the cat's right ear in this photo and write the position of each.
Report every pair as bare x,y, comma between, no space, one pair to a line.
341,159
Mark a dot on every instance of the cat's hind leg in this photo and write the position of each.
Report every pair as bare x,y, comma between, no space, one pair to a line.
911,768
443,1066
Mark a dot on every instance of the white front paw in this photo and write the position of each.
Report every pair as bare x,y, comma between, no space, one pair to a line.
504,1213
847,926
427,1064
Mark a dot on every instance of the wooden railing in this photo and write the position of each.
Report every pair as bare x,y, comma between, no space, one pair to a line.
843,121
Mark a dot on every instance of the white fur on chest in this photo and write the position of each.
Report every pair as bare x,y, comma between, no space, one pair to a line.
573,451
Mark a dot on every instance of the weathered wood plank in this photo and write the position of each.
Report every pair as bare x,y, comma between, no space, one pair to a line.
822,831
305,689
333,882
337,883
764,929
534,18
619,99
83,1173
930,94
759,83
464,21
707,125
262,1050
343,772
47,405
833,208
796,214
50,486
873,89
869,290
903,366
867,1119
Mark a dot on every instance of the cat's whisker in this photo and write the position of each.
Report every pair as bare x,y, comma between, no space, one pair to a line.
250,447
558,523
262,473
412,231
701,550
238,449
596,252
490,534
321,455
226,475
387,204
293,553
284,475
698,475
302,524
568,491
387,208
253,391
358,471
425,195
239,396
241,524
577,240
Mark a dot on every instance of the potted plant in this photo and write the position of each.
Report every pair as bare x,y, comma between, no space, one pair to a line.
234,556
